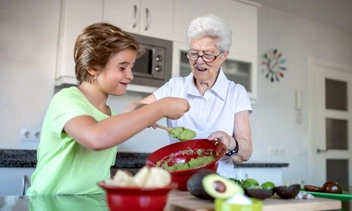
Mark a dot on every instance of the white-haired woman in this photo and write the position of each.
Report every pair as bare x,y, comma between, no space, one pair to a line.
219,108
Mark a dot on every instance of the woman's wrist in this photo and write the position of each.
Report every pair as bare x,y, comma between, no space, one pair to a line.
233,144
234,151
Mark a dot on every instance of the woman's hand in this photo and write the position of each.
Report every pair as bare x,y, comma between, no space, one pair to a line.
225,138
133,107
243,136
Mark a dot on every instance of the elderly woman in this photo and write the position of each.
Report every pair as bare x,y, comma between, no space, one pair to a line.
219,108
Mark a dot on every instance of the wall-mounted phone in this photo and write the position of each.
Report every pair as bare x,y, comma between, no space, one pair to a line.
298,105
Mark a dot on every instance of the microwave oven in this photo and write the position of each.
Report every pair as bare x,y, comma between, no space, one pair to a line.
155,66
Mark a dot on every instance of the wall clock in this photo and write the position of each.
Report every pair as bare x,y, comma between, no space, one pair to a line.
274,64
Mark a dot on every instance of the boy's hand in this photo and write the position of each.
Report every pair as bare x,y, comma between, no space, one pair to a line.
174,108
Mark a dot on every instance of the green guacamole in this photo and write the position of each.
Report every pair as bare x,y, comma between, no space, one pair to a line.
182,133
193,163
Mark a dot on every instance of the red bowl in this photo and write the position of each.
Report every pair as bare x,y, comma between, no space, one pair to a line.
174,153
134,198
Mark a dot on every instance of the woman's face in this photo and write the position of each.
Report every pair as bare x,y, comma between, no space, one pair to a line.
206,72
117,73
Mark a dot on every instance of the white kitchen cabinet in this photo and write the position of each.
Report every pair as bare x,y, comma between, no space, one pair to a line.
153,18
11,180
186,11
75,16
242,18
262,175
242,70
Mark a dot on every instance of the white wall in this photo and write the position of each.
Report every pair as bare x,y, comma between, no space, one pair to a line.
274,119
28,40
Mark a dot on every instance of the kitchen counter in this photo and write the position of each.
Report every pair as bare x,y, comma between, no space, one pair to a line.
28,158
10,158
178,200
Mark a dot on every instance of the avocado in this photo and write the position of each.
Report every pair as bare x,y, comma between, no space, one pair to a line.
258,192
332,187
194,184
207,184
220,187
287,192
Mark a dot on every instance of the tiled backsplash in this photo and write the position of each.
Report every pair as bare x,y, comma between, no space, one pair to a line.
27,158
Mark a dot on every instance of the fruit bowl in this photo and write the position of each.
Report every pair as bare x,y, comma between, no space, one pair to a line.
135,198
178,153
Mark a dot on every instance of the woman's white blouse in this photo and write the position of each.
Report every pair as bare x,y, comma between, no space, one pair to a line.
215,111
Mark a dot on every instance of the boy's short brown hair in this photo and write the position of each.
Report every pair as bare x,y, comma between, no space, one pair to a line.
96,44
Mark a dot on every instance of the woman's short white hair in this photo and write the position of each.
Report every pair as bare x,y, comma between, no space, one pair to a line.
210,26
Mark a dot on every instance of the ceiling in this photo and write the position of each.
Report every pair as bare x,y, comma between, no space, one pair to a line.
337,13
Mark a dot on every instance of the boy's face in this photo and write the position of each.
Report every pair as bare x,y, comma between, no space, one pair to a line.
117,73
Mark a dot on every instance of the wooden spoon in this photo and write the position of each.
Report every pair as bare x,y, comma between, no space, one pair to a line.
168,129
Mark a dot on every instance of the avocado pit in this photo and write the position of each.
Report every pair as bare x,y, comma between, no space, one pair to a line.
219,186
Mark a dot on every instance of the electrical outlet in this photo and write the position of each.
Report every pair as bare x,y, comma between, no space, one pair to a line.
276,151
301,151
30,134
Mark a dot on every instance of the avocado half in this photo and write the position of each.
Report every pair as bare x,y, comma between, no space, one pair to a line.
220,187
258,192
195,186
287,192
207,184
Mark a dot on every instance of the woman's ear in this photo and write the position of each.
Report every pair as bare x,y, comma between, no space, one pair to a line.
225,54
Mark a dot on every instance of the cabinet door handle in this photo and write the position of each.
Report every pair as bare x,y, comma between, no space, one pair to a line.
146,19
26,184
134,16
322,150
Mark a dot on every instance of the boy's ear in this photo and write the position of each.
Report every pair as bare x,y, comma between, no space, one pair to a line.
93,72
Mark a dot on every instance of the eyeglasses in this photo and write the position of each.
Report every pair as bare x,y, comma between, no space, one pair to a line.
206,57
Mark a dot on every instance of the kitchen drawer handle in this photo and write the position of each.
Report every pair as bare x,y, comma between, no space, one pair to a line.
134,16
322,150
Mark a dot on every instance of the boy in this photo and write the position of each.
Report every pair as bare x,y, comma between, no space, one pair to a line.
80,132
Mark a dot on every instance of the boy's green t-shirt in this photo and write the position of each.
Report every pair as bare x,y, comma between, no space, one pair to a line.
65,166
